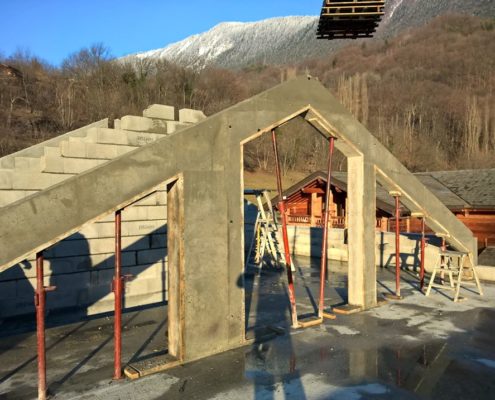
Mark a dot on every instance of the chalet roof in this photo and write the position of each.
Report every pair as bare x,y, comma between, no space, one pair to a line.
473,188
456,189
339,180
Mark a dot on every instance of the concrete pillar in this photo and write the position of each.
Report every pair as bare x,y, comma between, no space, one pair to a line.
361,222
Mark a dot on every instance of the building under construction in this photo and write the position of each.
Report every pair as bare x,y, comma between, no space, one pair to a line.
152,212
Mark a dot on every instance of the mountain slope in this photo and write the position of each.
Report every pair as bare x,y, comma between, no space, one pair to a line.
292,39
236,44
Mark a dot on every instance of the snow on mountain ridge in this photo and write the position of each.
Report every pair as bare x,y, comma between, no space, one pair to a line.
287,40
235,44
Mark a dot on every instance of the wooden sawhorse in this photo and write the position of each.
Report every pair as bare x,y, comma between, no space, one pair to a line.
455,264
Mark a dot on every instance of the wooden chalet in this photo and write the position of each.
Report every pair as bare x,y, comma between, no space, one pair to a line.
305,202
469,194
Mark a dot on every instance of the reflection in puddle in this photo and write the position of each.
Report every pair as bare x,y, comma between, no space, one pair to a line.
380,355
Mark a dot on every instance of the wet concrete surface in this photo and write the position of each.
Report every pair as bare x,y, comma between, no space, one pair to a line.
418,348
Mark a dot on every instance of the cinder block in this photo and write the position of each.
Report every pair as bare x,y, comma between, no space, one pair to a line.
104,277
16,306
72,282
144,213
158,241
54,266
66,165
25,287
157,213
143,124
6,178
140,285
145,257
8,290
28,163
117,124
10,196
191,116
36,181
148,271
94,150
174,126
142,138
121,137
69,248
154,199
144,299
51,151
160,111
137,228
106,136
101,230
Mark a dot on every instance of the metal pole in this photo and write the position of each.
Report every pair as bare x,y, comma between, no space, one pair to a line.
39,301
397,246
281,207
323,261
117,289
423,244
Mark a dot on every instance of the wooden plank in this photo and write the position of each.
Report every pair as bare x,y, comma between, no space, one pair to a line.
175,269
310,323
313,190
347,309
327,315
151,366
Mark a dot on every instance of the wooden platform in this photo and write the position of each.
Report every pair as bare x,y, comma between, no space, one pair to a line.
150,366
351,19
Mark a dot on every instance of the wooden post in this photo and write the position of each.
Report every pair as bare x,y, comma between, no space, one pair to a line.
313,209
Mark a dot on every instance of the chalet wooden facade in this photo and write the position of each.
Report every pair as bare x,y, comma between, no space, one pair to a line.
305,202
469,194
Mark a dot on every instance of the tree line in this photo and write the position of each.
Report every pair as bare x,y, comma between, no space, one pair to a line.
428,95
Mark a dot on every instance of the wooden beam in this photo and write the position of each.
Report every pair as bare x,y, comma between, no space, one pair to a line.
312,190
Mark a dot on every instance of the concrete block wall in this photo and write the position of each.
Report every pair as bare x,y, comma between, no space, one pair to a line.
82,265
306,241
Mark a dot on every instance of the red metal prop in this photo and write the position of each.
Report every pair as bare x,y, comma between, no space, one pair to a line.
281,207
117,289
323,262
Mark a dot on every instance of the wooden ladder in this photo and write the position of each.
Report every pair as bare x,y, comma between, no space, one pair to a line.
265,238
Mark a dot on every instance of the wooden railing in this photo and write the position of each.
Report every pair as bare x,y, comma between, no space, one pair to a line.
305,220
299,219
404,224
382,224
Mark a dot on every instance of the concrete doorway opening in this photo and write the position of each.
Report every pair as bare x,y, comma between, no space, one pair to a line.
257,153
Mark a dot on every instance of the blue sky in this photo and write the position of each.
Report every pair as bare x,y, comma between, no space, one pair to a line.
52,29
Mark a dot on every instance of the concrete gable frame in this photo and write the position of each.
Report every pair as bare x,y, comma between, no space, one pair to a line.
203,166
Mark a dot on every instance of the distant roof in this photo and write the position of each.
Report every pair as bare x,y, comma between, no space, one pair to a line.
8,71
339,179
456,189
472,188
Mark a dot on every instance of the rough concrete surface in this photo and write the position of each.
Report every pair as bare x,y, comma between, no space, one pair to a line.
419,348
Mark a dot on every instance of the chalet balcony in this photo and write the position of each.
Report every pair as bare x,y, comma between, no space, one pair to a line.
382,224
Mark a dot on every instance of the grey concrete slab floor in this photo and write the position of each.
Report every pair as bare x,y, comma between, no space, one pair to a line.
417,348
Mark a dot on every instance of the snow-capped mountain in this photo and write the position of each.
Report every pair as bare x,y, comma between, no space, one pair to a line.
237,44
290,39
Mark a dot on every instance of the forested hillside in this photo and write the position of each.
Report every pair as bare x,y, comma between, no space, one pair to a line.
427,94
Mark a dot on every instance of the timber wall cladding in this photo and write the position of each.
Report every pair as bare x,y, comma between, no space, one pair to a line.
82,266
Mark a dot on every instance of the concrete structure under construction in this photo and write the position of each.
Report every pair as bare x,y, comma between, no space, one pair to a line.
199,170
